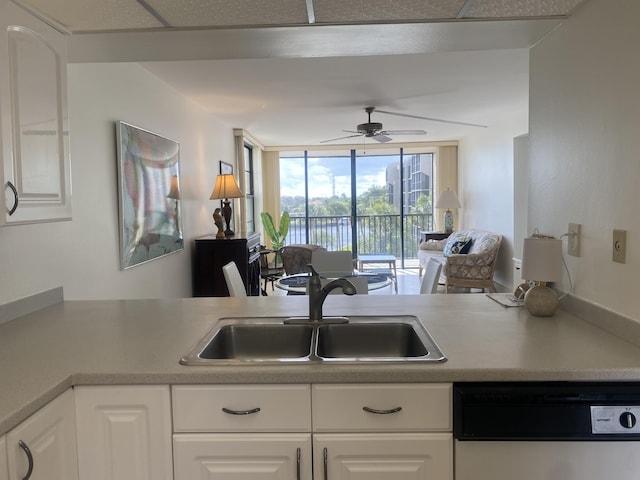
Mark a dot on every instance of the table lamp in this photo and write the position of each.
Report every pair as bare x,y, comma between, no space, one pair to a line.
448,199
541,263
174,193
224,189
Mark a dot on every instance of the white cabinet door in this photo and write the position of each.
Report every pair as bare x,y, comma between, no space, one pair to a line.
45,443
383,456
124,432
4,468
33,120
266,456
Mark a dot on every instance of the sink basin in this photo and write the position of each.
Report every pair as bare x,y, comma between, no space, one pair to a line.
367,340
400,338
248,342
242,340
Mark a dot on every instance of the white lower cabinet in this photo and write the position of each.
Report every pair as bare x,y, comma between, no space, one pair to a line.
4,468
44,445
352,432
124,432
382,432
248,432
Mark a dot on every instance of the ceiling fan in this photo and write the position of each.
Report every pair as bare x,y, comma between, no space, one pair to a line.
374,129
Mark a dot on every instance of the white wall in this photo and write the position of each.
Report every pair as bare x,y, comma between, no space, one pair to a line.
83,255
585,153
486,183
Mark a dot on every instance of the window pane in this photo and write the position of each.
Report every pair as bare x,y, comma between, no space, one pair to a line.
379,190
330,202
292,197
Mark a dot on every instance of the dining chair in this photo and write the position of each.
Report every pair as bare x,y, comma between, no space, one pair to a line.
431,276
235,285
332,264
270,271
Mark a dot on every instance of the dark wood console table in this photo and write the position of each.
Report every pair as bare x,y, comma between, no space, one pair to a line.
425,235
211,254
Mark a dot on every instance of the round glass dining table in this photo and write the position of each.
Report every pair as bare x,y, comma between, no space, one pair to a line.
297,283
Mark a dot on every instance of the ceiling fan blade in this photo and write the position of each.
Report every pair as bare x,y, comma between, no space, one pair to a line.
381,138
404,132
341,138
431,119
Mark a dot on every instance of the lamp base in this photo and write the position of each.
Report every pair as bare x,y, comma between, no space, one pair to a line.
448,221
541,301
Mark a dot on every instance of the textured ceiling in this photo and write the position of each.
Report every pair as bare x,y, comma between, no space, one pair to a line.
106,15
297,72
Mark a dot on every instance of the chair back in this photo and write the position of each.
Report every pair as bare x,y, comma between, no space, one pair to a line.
295,258
235,285
431,276
332,264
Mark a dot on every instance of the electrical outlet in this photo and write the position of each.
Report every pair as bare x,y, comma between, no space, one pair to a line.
619,246
573,243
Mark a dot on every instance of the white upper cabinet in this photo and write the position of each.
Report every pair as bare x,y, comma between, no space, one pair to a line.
33,119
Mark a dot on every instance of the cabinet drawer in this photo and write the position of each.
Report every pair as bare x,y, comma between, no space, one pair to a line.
382,407
242,408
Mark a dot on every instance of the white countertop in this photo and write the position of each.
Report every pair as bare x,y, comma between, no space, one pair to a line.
140,342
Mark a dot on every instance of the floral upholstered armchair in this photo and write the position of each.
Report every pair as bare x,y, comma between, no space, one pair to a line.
468,258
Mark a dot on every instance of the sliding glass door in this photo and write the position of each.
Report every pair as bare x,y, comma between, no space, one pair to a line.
362,203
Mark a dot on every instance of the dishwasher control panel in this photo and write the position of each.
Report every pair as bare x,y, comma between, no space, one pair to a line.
615,419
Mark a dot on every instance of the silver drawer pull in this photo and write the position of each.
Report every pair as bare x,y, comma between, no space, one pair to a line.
27,452
325,463
12,210
240,412
381,412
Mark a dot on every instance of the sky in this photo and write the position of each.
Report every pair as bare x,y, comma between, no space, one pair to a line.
331,175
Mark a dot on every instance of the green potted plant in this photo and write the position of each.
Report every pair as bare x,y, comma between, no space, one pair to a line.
278,236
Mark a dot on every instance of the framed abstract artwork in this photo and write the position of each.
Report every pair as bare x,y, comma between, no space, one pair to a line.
148,195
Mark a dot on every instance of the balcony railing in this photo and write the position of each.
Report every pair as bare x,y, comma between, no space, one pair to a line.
374,233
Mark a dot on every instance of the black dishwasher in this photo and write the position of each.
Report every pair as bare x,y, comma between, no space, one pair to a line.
547,430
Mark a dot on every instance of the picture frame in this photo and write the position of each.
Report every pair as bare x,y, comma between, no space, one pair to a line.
225,168
150,210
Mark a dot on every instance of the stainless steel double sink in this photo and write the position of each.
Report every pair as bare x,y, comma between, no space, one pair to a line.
400,338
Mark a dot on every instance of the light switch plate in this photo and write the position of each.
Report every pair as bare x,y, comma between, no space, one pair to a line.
619,246
573,240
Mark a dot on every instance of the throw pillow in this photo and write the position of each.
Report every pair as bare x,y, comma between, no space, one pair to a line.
457,243
432,245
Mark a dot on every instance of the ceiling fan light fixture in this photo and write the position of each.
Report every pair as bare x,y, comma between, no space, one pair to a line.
370,128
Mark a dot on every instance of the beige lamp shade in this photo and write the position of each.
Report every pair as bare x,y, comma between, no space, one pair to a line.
174,189
225,187
542,259
448,199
